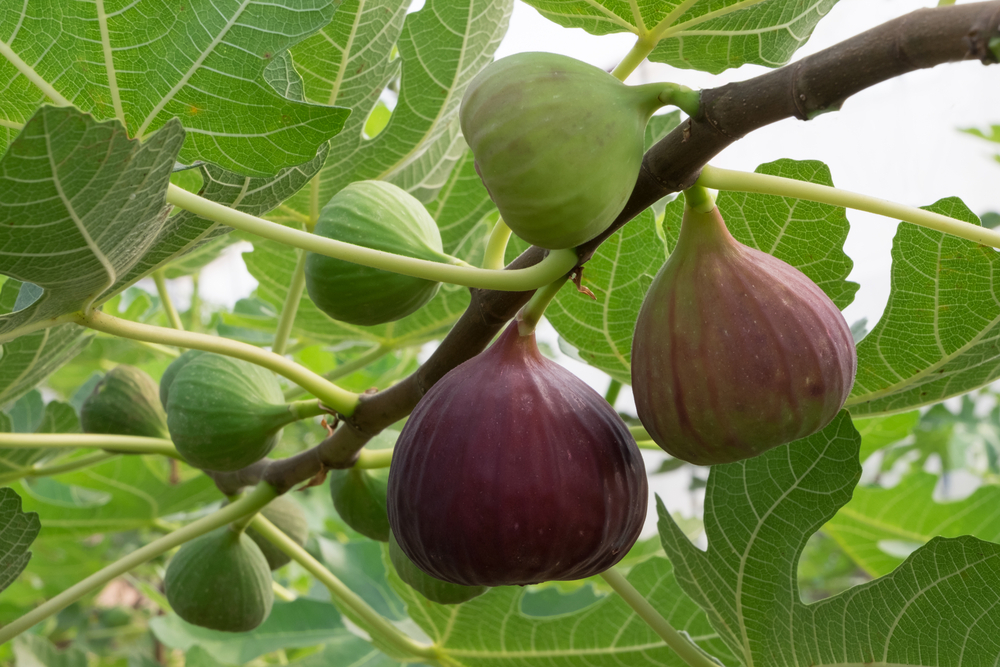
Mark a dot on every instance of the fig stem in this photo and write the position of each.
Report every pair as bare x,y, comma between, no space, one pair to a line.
698,198
251,502
555,264
682,646
291,305
643,47
161,288
682,97
357,363
341,400
373,623
311,407
611,395
493,258
57,468
378,458
531,313
116,444
741,181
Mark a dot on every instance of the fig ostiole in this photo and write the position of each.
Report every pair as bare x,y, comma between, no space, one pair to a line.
225,413
288,517
511,470
220,581
557,142
124,402
381,216
430,587
735,351
359,498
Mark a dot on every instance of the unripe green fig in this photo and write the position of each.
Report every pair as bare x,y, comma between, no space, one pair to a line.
287,516
558,144
225,413
735,352
381,216
220,581
124,402
175,366
430,587
359,498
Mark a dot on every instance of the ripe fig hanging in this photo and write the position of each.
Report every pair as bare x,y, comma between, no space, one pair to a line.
735,351
511,470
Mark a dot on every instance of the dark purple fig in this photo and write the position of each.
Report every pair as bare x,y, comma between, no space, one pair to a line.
511,470
735,352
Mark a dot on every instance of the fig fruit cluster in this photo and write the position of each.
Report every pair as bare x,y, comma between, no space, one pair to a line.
511,470
558,144
735,352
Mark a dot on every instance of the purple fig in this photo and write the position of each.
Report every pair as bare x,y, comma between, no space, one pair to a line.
511,470
735,352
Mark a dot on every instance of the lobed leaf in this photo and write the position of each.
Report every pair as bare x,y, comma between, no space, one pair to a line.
17,531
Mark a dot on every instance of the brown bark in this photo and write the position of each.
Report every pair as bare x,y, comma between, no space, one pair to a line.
817,84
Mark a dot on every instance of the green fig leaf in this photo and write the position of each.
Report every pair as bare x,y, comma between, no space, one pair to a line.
29,415
36,651
879,432
935,338
17,531
202,64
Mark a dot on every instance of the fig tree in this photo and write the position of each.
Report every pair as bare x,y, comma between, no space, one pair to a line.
124,402
359,498
558,143
735,351
433,589
381,216
511,470
225,413
287,516
220,581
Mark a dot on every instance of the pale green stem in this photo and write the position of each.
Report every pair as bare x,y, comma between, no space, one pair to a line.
687,651
611,395
496,247
291,306
741,181
648,444
283,593
642,48
531,313
31,75
557,263
945,3
376,352
376,458
639,433
312,407
194,313
119,444
57,468
161,287
338,399
253,501
698,198
374,624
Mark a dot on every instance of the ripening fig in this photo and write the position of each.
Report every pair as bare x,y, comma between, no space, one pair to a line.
433,589
220,581
558,143
175,366
735,351
359,498
511,470
381,216
225,413
288,517
124,402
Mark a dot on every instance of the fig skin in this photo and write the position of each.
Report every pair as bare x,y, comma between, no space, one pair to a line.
735,351
511,470
125,402
220,581
170,373
287,516
433,589
381,216
359,498
558,144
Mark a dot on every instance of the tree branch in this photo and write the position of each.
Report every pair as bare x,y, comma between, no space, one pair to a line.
814,85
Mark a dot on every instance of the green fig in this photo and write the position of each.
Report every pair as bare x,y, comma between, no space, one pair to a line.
220,581
225,413
377,215
168,375
288,517
431,588
124,402
359,498
735,352
558,144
